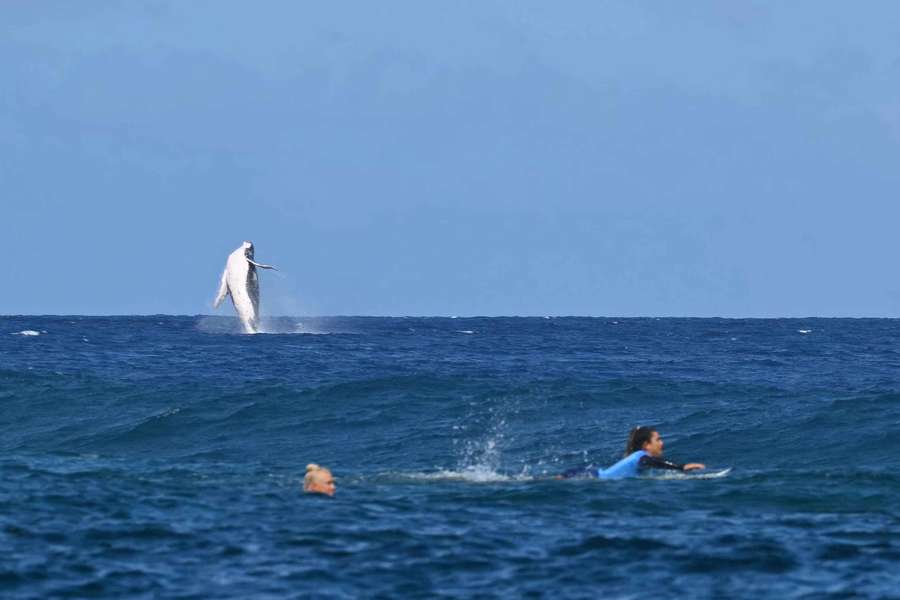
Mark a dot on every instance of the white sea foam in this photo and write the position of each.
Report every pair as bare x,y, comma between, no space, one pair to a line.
28,332
470,474
804,331
466,331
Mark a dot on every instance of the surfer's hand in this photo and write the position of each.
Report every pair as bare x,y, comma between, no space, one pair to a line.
694,466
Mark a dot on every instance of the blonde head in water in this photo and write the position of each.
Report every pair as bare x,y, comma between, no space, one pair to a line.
318,480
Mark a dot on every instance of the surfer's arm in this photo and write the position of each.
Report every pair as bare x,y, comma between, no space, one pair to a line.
655,462
223,290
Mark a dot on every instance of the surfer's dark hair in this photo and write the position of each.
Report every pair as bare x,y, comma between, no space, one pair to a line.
637,438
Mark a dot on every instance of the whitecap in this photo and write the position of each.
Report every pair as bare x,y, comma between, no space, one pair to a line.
27,332
804,331
467,331
167,413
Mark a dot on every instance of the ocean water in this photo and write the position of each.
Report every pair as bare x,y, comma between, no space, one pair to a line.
161,457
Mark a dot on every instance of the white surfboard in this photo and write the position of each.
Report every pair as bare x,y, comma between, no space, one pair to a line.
699,474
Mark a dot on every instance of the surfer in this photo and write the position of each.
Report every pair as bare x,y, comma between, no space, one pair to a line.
318,480
643,451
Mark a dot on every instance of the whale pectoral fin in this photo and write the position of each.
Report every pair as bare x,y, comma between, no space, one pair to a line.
261,266
223,290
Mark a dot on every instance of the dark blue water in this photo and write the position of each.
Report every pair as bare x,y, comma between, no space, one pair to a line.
161,457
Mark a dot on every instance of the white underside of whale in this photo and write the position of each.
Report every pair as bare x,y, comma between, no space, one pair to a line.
241,281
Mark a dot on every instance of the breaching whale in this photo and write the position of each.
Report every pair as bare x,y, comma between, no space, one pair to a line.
241,282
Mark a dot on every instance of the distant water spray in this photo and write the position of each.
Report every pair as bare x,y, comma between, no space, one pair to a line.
219,325
292,325
268,325
281,297
277,297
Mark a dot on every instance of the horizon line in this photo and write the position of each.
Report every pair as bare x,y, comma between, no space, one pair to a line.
436,316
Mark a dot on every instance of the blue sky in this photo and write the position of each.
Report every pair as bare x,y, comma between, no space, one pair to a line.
465,158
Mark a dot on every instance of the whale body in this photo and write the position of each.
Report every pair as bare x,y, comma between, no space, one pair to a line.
241,282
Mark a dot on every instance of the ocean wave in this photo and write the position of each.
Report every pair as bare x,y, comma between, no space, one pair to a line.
184,448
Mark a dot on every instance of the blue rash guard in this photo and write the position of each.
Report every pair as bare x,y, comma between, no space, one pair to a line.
630,466
627,467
